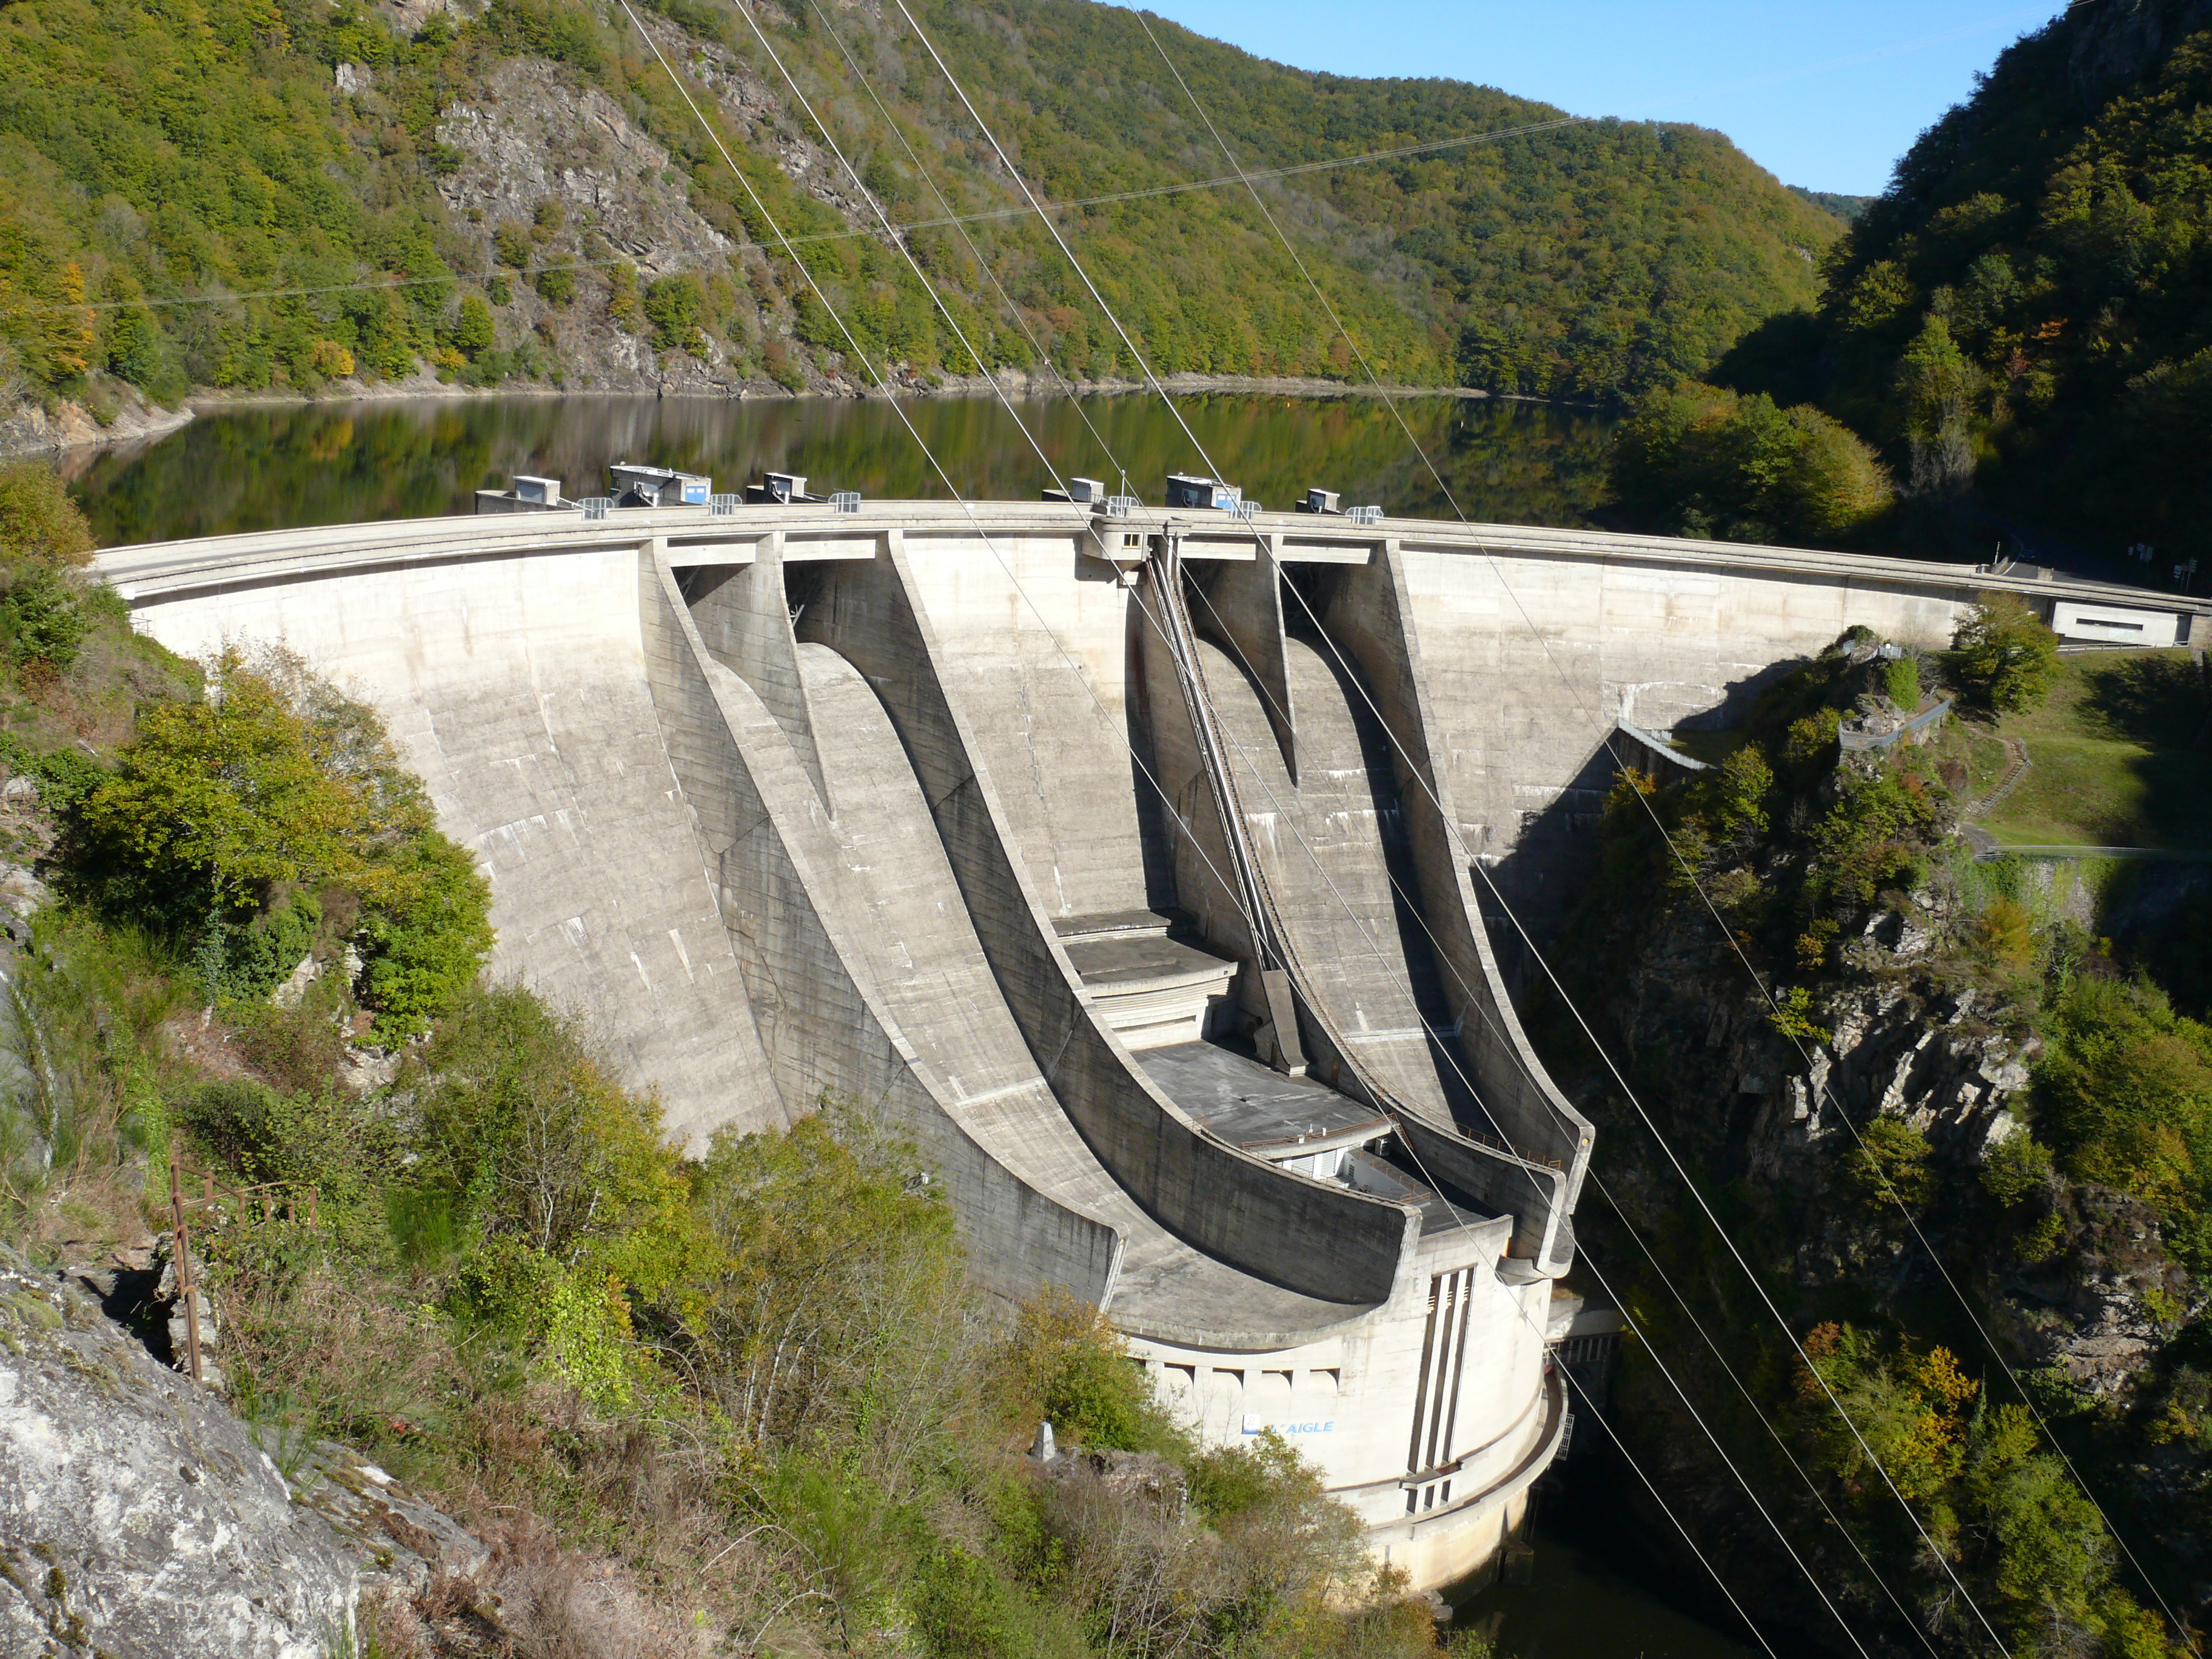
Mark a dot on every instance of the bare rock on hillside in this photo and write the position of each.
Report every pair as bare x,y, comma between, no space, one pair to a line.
138,1516
402,1542
533,137
31,427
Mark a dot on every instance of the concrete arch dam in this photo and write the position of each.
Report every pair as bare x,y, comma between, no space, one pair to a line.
1131,865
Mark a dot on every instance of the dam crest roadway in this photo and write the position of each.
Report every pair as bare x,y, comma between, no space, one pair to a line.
1148,871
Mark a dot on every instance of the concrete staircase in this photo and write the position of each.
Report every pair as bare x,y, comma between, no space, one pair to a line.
2014,771
1153,991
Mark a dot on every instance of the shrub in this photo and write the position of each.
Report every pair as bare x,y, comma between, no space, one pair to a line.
1731,798
2004,936
529,1138
426,931
1901,682
2123,1094
556,284
622,307
215,802
253,957
1889,1165
42,620
577,1323
332,359
783,368
225,808
1064,1365
38,521
322,1139
2017,1169
473,332
674,306
1874,838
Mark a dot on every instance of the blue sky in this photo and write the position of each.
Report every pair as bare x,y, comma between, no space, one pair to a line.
1827,96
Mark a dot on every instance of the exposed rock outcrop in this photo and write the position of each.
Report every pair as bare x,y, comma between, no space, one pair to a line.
29,427
139,1518
1902,1035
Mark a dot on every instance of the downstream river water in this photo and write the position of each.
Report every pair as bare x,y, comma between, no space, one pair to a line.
265,467
268,467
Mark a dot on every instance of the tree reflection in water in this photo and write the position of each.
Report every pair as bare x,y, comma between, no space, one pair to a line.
270,466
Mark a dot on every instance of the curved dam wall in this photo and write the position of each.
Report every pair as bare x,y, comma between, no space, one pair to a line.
513,678
787,803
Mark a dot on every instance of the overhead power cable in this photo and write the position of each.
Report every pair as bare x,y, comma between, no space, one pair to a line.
953,81
786,244
929,456
1107,310
1596,1411
1736,944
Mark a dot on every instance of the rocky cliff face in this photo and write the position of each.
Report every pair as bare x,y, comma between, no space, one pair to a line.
533,137
1907,1037
138,1516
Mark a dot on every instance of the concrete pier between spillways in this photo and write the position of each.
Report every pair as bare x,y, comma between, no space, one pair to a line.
1040,835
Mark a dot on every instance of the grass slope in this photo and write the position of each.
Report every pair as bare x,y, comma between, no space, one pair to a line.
2116,757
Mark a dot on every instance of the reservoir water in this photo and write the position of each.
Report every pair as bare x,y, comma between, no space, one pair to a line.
262,467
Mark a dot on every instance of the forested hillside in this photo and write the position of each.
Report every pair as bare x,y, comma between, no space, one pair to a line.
1942,1293
2025,314
286,194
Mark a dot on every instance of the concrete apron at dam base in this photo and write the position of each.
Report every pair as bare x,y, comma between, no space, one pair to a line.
1138,868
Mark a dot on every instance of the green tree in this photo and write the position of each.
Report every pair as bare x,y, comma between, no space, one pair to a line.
2003,656
473,332
38,521
1704,461
216,802
556,284
674,306
1935,387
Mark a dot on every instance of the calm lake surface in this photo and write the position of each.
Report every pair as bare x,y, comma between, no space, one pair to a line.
265,468
271,467
1580,1604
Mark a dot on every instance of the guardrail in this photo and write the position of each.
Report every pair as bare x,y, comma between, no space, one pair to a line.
1920,722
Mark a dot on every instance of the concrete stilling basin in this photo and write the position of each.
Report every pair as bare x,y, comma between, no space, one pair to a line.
1139,868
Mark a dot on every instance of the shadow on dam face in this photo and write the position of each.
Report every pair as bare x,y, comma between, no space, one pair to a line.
1557,849
920,804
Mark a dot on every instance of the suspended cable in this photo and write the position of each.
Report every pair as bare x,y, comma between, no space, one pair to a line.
1414,909
785,244
1765,990
977,525
1819,1589
1107,310
975,253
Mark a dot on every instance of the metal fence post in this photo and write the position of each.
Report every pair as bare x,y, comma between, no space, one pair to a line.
181,1242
